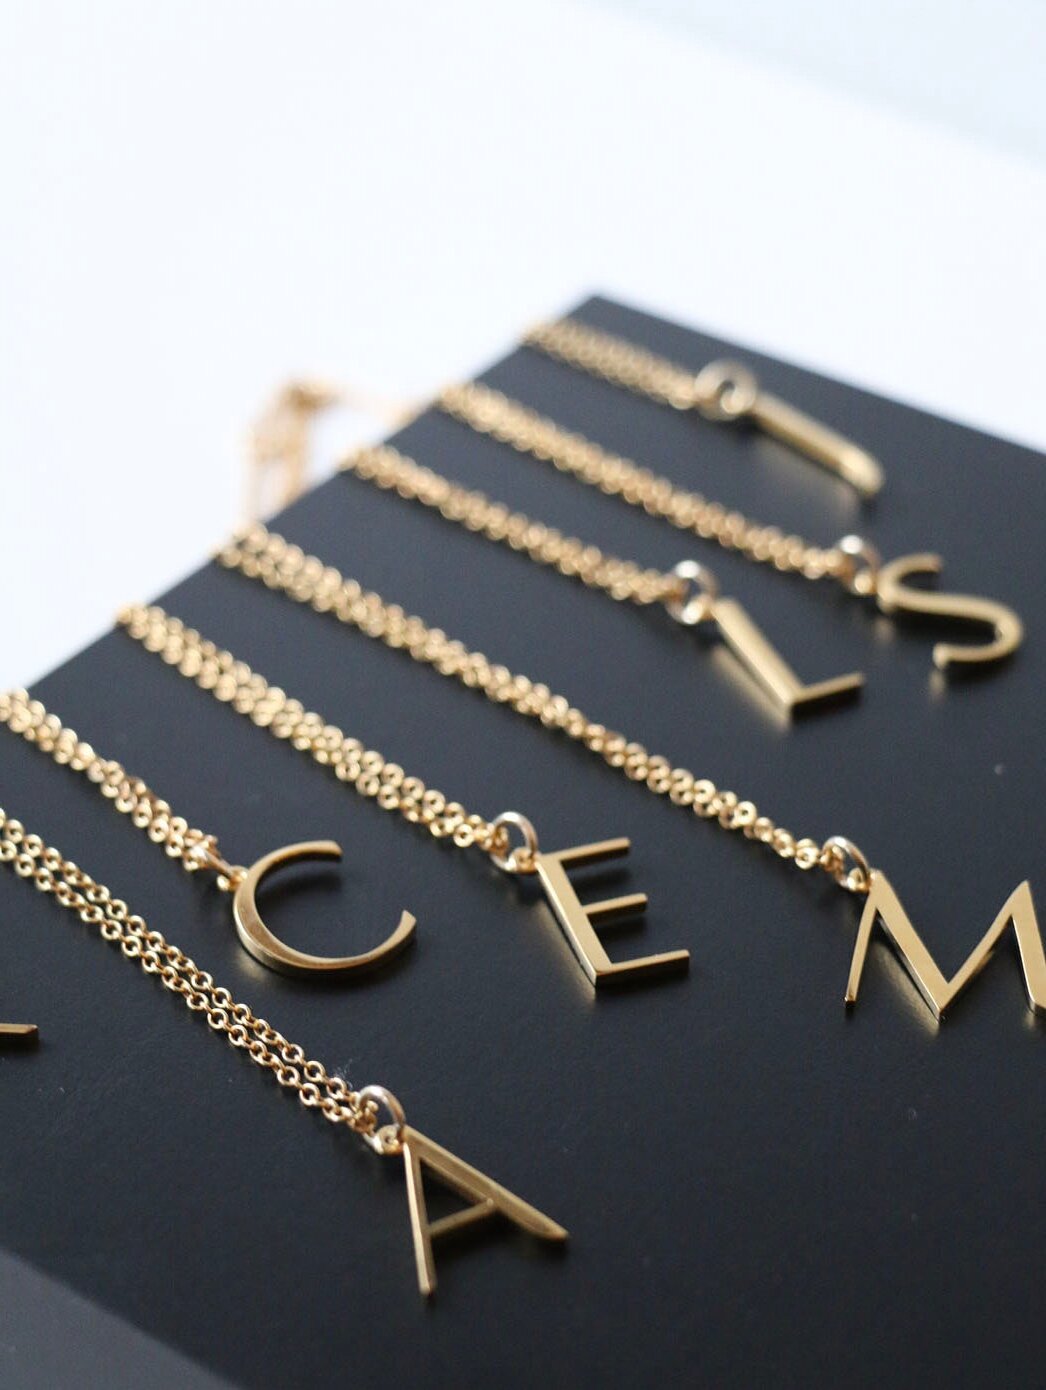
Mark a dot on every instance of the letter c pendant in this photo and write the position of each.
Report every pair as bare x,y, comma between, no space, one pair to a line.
267,948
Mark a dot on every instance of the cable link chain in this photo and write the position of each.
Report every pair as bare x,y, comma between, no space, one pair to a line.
621,579
261,555
366,770
490,412
194,848
75,890
619,362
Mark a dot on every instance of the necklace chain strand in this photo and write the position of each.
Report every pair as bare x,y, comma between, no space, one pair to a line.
623,580
721,391
75,890
490,412
361,1111
620,362
268,558
852,562
130,795
234,683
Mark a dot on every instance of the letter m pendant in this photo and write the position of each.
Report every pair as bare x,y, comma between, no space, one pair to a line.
580,923
939,992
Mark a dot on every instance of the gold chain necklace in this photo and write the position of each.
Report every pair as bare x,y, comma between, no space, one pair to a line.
852,561
372,1112
193,848
233,683
269,559
689,593
724,392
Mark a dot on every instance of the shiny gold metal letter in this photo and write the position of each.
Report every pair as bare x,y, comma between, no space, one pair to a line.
276,954
17,1032
895,596
820,443
578,922
938,992
769,668
748,643
488,1199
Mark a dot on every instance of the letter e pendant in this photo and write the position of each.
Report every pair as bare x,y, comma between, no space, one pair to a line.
580,923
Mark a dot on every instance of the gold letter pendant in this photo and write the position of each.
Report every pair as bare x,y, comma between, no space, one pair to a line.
266,947
897,597
939,992
13,1034
749,644
18,1032
487,1197
579,923
886,584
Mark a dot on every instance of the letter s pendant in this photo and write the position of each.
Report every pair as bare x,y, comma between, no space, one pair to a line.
894,596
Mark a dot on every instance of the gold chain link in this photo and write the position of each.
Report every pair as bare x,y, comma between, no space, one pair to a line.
618,361
234,683
392,471
490,412
194,848
261,555
94,904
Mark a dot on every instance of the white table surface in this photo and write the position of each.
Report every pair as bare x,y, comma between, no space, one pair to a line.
201,200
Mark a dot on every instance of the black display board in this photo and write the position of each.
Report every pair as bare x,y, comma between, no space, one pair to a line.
760,1187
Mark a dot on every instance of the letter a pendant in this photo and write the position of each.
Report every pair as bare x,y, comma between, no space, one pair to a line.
487,1197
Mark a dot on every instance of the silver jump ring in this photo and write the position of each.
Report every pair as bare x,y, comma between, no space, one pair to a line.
725,390
521,859
387,1138
846,864
689,607
857,550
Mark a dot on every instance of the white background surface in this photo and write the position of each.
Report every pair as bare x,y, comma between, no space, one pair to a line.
973,66
200,200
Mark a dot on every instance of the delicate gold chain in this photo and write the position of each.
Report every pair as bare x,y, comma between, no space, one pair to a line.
722,391
264,556
490,412
620,362
234,683
130,795
387,468
94,904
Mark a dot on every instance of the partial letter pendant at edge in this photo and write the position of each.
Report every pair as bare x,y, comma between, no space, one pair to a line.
267,948
579,923
938,992
488,1199
17,1033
